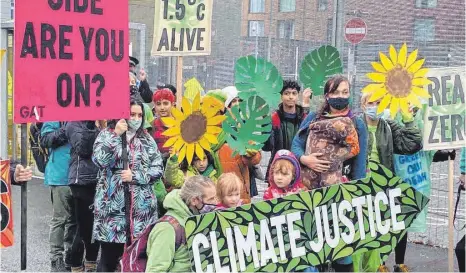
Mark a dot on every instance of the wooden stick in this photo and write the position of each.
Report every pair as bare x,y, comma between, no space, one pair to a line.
451,197
179,81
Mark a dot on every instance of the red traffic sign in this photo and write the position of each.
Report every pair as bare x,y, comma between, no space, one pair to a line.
355,30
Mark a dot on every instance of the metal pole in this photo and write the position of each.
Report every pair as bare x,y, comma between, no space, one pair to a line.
340,16
334,23
269,45
296,64
24,196
451,232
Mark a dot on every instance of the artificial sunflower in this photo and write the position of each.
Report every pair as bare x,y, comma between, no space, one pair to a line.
399,79
193,129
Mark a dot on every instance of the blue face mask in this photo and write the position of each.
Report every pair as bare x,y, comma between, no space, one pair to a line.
371,112
338,103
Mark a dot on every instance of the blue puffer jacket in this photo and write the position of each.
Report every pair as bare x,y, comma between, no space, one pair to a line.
53,137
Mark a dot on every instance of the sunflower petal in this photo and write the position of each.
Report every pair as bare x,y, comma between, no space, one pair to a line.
421,92
414,100
216,120
171,141
416,66
384,103
372,87
187,109
189,152
209,112
412,58
421,73
173,131
377,95
199,151
182,154
394,107
404,106
378,67
205,144
421,81
196,102
170,122
214,130
393,55
178,144
387,64
402,55
177,114
211,138
377,77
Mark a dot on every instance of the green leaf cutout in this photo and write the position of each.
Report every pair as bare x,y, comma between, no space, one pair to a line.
248,125
319,65
257,77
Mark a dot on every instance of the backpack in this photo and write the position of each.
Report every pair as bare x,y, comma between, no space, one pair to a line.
41,155
135,256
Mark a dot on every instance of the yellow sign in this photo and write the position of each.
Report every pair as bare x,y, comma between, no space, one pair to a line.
2,52
182,27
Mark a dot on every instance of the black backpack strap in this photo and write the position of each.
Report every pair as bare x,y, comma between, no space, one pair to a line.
458,197
127,193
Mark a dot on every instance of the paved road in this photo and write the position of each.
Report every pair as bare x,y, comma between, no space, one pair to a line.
419,257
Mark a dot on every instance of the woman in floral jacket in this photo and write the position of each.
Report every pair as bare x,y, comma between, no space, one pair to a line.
145,167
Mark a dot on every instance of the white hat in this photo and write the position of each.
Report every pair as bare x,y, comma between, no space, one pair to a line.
231,93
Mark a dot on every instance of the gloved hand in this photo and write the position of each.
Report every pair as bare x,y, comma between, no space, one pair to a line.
251,152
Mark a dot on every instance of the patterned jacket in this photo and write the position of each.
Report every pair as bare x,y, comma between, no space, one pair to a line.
145,163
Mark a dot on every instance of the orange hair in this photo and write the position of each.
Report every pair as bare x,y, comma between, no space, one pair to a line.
284,166
226,183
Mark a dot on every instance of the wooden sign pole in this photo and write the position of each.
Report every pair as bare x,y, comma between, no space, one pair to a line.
179,81
451,197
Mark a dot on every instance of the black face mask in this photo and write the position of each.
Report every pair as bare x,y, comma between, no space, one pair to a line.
338,103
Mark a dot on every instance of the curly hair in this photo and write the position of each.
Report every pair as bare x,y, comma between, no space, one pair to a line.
290,85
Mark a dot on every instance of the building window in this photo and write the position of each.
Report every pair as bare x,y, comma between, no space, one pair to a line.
322,5
286,29
12,9
287,5
256,28
426,4
256,6
424,30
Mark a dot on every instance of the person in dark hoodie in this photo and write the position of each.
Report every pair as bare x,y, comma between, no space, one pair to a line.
82,177
284,176
286,120
142,85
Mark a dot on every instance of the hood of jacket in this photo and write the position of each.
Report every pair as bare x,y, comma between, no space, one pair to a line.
176,207
286,155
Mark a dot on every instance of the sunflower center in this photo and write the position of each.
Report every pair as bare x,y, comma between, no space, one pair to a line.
399,82
193,127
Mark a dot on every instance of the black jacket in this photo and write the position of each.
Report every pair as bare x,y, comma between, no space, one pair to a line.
81,135
145,92
276,141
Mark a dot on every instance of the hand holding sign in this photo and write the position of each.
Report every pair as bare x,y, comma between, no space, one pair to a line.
22,174
121,127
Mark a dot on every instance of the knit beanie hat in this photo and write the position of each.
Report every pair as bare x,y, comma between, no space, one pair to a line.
231,93
163,94
215,99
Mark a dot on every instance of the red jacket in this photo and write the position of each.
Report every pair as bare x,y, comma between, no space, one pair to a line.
157,129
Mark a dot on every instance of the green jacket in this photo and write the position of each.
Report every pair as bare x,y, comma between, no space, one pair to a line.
393,138
161,253
175,177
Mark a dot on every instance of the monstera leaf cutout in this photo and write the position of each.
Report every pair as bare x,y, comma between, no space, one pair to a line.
248,125
257,77
317,66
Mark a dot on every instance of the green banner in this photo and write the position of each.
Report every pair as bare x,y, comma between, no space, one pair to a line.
309,228
444,118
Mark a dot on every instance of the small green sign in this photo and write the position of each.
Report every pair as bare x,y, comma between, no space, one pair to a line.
309,228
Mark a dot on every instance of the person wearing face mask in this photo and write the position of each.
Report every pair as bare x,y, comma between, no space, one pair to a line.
197,195
336,105
144,168
387,138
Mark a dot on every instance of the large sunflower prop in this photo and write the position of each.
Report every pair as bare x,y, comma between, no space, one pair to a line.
399,79
193,129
